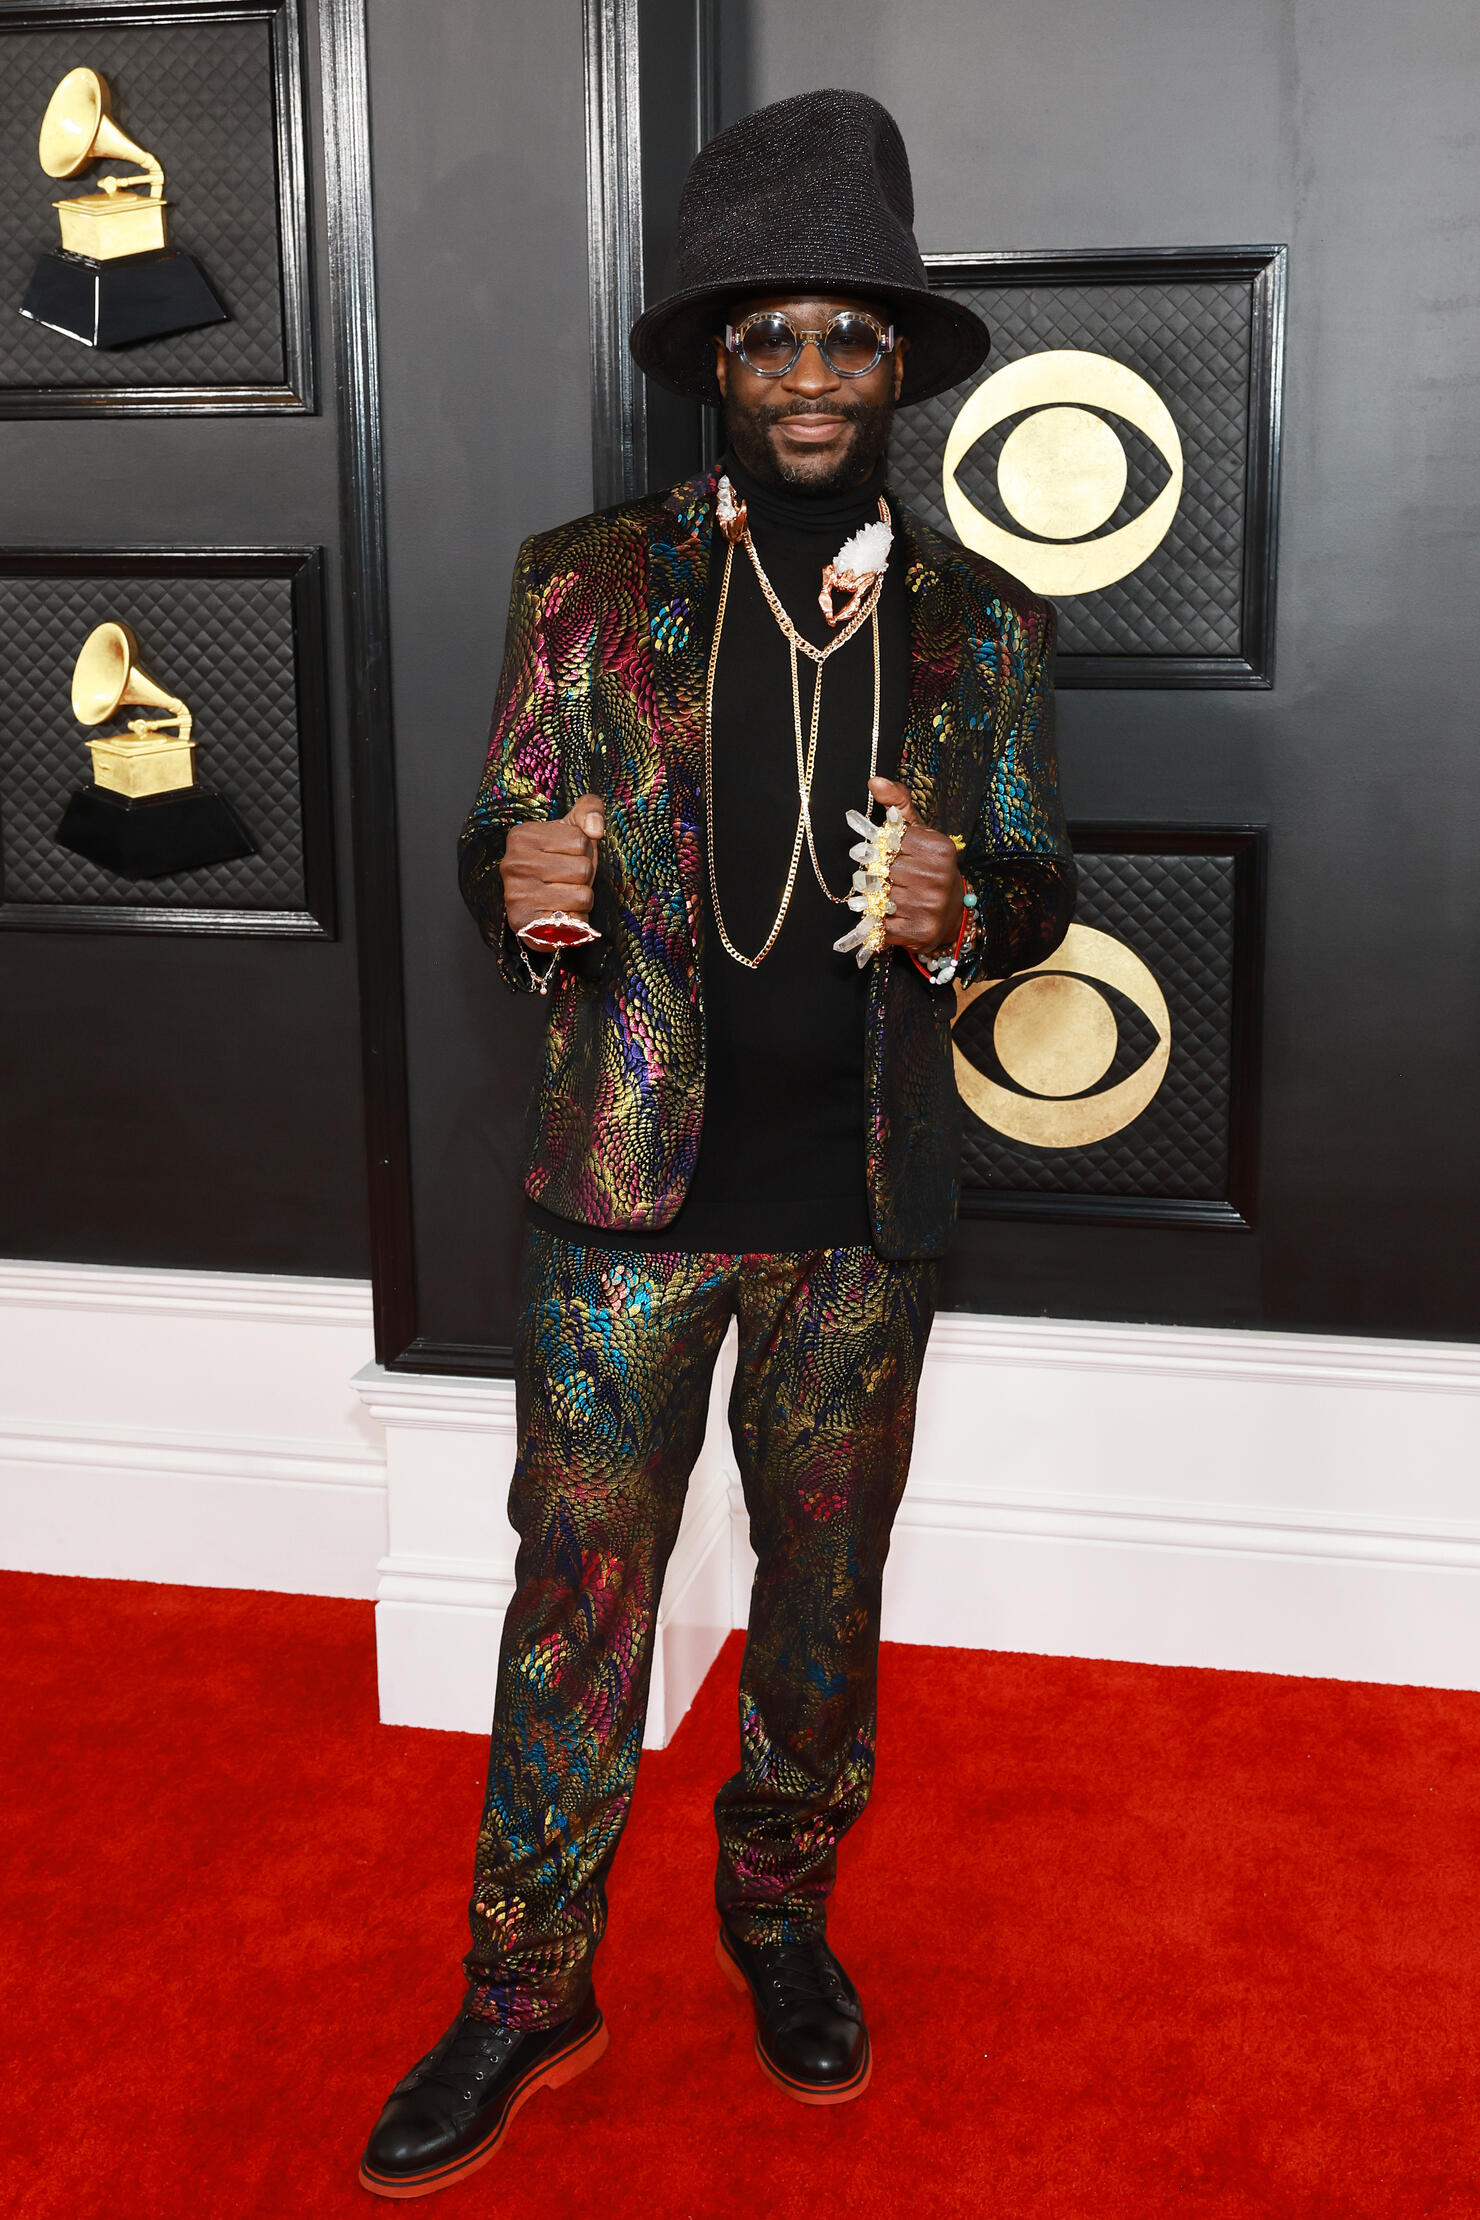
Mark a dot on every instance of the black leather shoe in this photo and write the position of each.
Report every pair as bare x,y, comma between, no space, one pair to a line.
809,2031
448,2116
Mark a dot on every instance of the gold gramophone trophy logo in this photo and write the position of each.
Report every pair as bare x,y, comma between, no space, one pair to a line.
116,279
143,815
156,755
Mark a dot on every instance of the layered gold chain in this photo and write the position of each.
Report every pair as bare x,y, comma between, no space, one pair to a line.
866,613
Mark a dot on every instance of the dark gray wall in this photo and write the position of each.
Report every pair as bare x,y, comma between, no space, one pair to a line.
191,1102
1332,125
680,97
1347,129
480,191
188,1102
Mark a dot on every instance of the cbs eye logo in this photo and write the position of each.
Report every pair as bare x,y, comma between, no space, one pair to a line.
1046,1044
1062,471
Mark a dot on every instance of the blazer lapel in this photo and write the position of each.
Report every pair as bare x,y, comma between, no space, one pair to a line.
938,673
937,663
678,618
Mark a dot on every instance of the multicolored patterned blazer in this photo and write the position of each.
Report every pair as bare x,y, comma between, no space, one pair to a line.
603,691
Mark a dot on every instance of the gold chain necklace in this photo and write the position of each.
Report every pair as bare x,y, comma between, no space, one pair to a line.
867,613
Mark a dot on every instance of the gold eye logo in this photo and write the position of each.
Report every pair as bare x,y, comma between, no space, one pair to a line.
1055,1036
1062,471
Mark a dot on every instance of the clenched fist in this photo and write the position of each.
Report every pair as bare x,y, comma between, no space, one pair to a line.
553,866
925,885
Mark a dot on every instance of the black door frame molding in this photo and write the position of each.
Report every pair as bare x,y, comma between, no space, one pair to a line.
366,602
617,130
619,459
614,245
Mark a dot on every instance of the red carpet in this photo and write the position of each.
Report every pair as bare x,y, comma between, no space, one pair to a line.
1134,1942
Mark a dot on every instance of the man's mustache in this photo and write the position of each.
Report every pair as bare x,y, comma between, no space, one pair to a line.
846,412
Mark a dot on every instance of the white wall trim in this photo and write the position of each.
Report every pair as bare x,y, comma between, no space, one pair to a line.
1277,1502
1206,1353
188,1426
139,1449
436,1400
1269,1502
1145,1523
448,1575
268,1298
447,1583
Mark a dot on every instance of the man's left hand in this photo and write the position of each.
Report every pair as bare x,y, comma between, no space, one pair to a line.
925,885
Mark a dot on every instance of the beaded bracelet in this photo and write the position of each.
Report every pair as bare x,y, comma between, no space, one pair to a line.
940,969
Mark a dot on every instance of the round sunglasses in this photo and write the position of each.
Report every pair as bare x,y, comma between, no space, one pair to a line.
769,343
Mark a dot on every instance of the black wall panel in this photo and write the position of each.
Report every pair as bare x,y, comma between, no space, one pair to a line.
1146,1109
1204,328
162,1100
1046,129
192,1103
1346,131
174,1103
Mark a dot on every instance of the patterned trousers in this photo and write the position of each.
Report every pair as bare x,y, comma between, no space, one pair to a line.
614,1353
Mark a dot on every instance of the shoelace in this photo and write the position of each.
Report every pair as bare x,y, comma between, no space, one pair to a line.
473,2054
802,1970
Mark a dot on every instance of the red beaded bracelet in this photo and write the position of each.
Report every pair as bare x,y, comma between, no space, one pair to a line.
924,969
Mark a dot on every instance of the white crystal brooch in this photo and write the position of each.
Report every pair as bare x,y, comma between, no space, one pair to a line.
859,561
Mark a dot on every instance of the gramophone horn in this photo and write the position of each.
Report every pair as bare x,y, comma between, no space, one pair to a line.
107,675
77,129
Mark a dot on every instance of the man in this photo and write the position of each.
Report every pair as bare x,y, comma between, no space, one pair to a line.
735,1118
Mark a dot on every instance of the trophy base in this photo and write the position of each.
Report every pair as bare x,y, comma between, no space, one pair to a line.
156,836
117,303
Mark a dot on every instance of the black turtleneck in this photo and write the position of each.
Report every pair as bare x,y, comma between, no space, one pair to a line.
781,1156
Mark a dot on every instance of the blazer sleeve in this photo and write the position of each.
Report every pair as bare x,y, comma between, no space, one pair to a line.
521,779
1017,859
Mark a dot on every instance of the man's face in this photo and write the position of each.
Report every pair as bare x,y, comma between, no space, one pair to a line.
812,428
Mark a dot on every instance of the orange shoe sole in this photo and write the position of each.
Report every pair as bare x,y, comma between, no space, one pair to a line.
804,2092
551,2073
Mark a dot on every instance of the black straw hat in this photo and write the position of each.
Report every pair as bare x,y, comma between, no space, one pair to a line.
809,195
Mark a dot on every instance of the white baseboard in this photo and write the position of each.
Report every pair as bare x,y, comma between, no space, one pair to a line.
1280,1503
188,1426
694,1616
1274,1502
448,1574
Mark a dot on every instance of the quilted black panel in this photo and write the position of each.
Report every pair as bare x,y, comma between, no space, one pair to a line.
199,97
1177,913
225,646
1191,341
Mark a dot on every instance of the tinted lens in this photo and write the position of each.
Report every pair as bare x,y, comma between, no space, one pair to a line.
769,345
852,345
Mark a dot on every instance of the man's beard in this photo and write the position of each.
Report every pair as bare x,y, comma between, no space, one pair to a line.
749,434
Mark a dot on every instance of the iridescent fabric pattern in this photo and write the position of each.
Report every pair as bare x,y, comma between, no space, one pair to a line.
613,1356
603,690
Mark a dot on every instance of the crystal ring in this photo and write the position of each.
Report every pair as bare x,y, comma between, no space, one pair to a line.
874,854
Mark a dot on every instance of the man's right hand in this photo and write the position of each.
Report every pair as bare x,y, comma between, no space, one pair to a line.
552,866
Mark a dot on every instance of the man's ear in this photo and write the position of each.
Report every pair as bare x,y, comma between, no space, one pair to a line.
721,368
901,349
